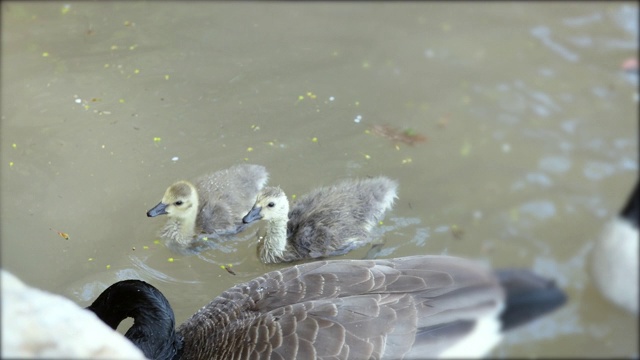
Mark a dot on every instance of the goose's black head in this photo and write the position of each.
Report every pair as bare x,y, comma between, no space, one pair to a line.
153,329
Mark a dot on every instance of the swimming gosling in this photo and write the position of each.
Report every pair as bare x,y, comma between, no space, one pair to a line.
615,257
328,221
414,307
212,205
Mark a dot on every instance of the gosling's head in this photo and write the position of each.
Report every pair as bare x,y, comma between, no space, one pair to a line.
180,201
270,204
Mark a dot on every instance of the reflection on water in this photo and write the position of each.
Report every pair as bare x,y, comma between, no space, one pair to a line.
529,119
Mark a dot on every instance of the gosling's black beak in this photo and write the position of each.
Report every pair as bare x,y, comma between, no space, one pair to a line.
253,215
159,209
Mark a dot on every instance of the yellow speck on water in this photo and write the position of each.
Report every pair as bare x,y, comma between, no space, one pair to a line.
86,107
249,149
157,139
465,150
166,77
108,267
270,143
205,239
301,97
133,47
136,71
397,147
114,47
14,145
380,222
10,163
314,139
145,247
106,65
366,156
45,54
90,259
514,214
121,101
156,242
407,161
170,260
65,9
357,103
103,146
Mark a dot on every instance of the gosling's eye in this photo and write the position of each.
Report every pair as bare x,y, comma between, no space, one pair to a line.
271,204
178,203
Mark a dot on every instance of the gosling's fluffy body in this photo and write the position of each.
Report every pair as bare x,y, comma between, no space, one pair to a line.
211,205
413,308
328,221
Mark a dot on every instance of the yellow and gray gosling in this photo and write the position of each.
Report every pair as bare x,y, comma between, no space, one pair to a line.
328,221
415,307
210,206
615,257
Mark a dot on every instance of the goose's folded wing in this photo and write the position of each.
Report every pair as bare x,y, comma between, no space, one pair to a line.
412,313
415,307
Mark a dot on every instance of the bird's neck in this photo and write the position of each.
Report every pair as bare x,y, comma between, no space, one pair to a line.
183,229
275,241
153,329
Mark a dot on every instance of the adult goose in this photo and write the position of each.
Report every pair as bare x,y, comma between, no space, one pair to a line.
406,308
210,206
615,257
328,221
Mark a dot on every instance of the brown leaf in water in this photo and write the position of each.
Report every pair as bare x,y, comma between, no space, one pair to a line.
407,136
62,234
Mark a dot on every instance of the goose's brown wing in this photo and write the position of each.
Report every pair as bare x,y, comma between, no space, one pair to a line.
349,309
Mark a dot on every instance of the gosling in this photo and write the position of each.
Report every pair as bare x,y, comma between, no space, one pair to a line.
328,221
210,206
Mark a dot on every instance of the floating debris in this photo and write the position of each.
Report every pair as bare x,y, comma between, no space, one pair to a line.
62,234
407,136
456,232
228,268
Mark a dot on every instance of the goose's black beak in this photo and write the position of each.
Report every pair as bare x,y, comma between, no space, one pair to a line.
253,215
159,209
